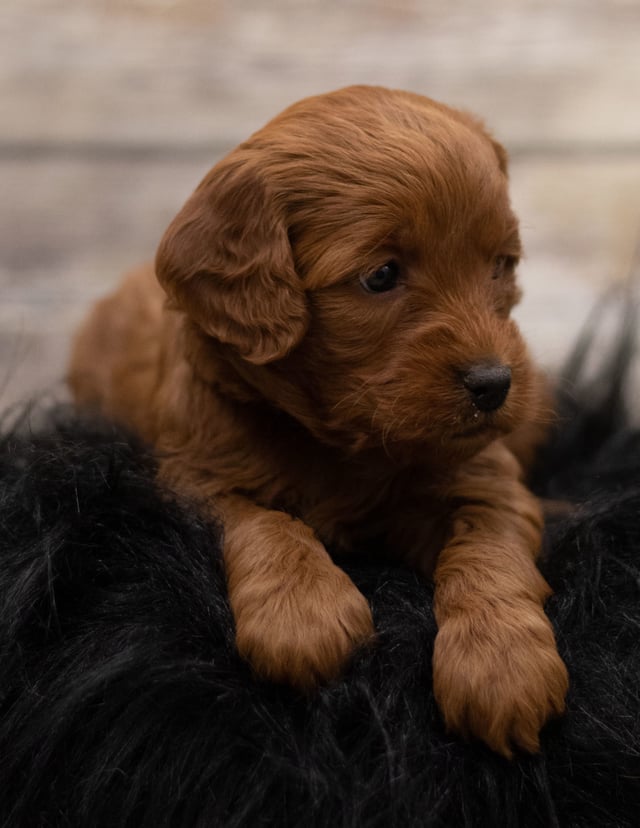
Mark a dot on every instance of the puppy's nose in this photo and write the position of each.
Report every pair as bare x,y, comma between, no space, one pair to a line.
488,385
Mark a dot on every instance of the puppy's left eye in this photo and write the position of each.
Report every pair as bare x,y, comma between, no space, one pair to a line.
504,266
381,280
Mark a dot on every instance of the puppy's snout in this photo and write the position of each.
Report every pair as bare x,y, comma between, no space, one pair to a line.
488,385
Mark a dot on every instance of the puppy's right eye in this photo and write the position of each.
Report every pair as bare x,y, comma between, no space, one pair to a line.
381,280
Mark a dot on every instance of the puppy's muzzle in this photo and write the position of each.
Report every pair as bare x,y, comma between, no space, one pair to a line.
488,385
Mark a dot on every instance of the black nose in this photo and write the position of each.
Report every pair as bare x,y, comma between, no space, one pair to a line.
488,385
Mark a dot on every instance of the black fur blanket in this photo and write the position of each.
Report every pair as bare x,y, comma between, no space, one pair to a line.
123,703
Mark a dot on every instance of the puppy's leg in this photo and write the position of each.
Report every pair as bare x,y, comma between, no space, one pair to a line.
298,616
497,672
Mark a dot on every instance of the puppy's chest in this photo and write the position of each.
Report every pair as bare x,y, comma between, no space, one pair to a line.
397,515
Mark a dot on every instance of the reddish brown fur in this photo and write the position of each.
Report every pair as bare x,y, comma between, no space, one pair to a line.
307,411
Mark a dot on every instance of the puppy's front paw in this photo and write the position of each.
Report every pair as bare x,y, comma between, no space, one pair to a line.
302,626
499,678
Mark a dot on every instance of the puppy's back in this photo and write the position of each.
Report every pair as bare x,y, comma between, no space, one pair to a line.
116,355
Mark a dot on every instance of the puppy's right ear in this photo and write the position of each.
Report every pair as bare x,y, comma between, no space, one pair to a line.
226,261
501,154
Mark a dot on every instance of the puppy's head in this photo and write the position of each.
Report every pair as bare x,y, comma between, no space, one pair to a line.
354,261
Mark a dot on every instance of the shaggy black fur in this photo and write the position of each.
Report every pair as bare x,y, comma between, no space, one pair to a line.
123,703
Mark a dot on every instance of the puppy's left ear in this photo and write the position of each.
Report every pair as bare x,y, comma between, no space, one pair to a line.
226,261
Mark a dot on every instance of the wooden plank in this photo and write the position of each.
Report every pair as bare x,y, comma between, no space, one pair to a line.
191,72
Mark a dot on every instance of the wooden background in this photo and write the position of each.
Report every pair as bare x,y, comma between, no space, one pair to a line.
112,110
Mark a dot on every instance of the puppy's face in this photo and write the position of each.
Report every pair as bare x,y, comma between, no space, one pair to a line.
357,258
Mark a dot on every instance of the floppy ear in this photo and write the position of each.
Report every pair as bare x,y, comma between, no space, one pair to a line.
226,261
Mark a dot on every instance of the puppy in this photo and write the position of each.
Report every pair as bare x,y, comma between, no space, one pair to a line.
323,356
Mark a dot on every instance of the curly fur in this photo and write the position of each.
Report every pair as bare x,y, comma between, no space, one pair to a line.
309,413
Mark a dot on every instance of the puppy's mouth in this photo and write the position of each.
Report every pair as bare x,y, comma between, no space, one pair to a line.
482,427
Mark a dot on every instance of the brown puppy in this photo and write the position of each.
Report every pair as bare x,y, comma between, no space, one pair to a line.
335,364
